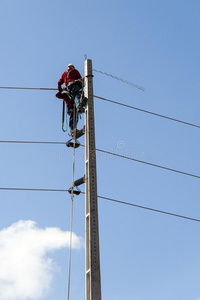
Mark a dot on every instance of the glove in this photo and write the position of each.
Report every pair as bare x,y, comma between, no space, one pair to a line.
60,89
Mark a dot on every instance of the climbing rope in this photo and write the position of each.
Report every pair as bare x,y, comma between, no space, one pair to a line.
72,198
70,247
75,116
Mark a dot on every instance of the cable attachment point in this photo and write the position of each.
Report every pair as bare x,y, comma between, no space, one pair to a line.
73,144
76,184
79,181
78,133
75,192
89,76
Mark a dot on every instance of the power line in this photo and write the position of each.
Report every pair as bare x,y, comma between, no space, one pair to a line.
108,199
151,209
147,163
33,190
110,153
146,111
111,101
33,142
123,80
27,88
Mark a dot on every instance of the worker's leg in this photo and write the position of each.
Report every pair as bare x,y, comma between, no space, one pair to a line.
73,117
77,99
63,96
74,91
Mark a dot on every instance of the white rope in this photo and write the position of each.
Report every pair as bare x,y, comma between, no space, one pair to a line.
70,247
72,198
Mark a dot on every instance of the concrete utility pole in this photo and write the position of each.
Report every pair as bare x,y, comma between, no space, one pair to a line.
93,279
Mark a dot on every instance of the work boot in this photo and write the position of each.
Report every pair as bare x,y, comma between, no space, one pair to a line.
81,110
83,102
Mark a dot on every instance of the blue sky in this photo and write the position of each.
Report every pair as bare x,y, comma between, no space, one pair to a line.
155,44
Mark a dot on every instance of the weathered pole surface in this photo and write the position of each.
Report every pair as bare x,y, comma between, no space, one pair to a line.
93,278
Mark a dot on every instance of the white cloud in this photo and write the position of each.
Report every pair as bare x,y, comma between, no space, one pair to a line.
25,269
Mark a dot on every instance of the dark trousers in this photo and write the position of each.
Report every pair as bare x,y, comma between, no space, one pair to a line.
72,121
73,117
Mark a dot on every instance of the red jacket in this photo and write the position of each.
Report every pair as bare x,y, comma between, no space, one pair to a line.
69,76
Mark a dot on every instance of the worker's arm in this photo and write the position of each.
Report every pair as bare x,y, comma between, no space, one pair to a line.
78,75
79,78
60,82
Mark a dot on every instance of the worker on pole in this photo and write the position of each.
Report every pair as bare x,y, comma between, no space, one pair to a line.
71,94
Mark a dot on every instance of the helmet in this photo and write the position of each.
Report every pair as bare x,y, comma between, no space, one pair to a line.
70,66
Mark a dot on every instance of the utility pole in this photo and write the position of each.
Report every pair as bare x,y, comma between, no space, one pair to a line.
93,279
92,260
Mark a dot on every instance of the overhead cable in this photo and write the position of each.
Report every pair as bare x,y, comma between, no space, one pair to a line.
146,111
27,88
33,190
112,101
123,80
148,163
148,208
33,142
108,199
111,153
